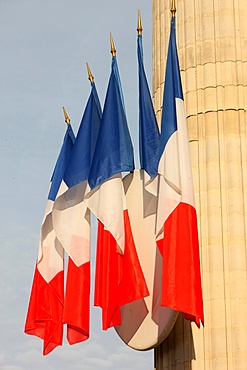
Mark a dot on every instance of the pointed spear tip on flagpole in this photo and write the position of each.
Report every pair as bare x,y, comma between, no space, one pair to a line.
113,50
90,76
173,8
66,117
139,24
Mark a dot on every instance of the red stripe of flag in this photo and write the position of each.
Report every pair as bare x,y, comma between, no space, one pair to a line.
44,317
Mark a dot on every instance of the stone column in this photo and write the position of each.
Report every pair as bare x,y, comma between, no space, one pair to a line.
212,48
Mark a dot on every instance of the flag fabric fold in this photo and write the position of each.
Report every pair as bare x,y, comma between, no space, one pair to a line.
71,219
176,225
45,310
148,127
118,278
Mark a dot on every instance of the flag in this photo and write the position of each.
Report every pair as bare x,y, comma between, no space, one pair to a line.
177,235
71,219
45,311
118,277
148,127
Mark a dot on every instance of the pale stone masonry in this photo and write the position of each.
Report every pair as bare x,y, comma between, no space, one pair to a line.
212,48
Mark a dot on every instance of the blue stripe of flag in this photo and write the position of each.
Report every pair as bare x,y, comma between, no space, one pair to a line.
61,163
148,128
114,151
172,90
81,156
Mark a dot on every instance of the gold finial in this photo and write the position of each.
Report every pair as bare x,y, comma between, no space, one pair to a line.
173,8
66,117
113,50
90,76
139,23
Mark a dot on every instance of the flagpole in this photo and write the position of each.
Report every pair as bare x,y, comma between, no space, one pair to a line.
90,76
113,50
66,117
173,8
139,24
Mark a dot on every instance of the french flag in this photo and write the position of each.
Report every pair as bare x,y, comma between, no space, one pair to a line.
177,234
118,278
45,311
71,219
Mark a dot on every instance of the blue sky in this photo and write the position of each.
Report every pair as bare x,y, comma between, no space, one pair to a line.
44,46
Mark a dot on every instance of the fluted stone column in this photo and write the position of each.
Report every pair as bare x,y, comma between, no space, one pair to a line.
212,48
